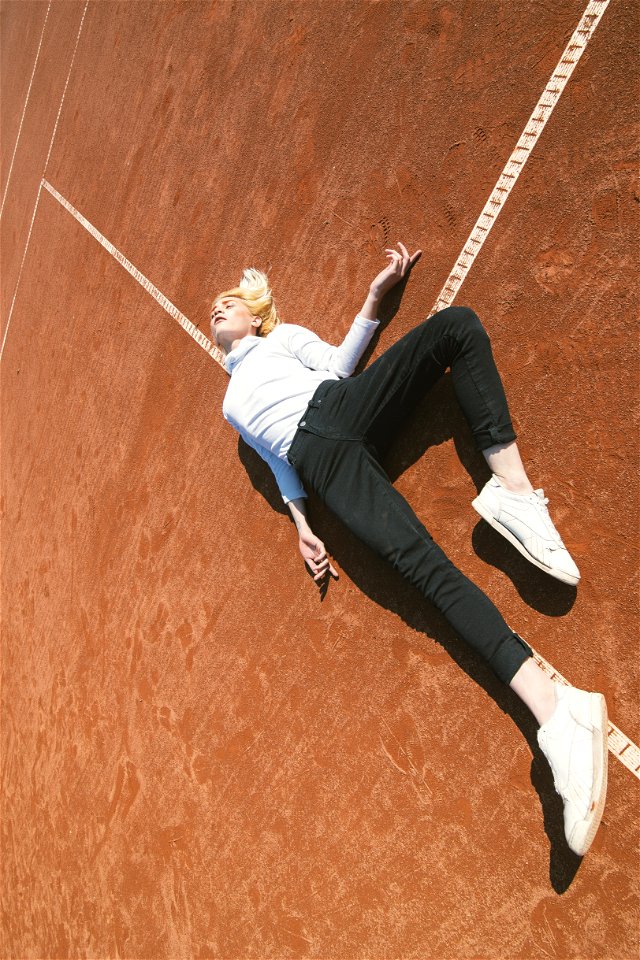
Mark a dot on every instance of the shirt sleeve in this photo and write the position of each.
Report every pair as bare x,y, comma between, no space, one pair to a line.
287,478
318,355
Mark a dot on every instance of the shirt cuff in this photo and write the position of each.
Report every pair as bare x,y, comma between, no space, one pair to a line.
363,321
295,496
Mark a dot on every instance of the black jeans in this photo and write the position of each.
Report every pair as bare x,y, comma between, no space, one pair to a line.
336,451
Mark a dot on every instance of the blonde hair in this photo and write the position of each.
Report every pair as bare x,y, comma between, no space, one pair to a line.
255,293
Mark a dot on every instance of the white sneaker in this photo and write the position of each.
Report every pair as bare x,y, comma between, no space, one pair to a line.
574,741
525,522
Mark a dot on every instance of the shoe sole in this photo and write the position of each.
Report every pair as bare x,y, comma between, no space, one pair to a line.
589,827
486,514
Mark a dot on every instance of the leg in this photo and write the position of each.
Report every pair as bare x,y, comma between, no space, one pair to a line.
372,405
573,731
350,480
535,689
505,464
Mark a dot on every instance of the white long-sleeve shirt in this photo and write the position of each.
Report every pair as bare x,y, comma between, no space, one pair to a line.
273,378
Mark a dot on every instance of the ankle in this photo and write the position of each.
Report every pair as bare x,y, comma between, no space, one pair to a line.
546,706
516,485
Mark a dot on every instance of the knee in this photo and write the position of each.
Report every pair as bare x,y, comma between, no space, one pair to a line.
461,320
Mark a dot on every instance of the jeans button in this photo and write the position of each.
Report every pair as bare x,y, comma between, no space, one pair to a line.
303,423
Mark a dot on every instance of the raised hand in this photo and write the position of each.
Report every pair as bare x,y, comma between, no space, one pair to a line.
395,270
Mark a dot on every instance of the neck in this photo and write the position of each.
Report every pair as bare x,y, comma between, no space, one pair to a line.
228,345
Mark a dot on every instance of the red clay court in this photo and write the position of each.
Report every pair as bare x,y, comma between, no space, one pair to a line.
202,754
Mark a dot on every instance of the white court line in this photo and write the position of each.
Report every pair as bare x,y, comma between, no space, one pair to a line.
24,110
172,310
33,216
64,92
55,128
515,164
624,749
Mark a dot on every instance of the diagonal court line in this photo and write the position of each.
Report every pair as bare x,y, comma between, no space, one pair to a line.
24,110
24,255
516,162
53,135
164,302
64,92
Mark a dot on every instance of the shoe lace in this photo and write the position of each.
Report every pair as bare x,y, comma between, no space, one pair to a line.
542,507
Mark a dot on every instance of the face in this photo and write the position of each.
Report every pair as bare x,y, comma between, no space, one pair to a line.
231,321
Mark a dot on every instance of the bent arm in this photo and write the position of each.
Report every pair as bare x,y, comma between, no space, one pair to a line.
342,360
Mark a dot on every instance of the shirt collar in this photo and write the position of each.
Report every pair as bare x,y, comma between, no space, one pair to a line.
234,357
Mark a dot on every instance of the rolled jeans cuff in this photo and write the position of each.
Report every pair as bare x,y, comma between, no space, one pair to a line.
509,657
490,436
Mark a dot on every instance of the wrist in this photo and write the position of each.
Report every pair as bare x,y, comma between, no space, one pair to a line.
299,514
302,525
370,307
304,530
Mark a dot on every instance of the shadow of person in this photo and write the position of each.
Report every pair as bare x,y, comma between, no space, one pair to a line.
261,477
438,419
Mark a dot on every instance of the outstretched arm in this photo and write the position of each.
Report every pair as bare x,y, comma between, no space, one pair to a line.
311,547
294,495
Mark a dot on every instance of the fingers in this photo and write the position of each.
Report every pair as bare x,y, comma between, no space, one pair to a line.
402,260
406,258
320,566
